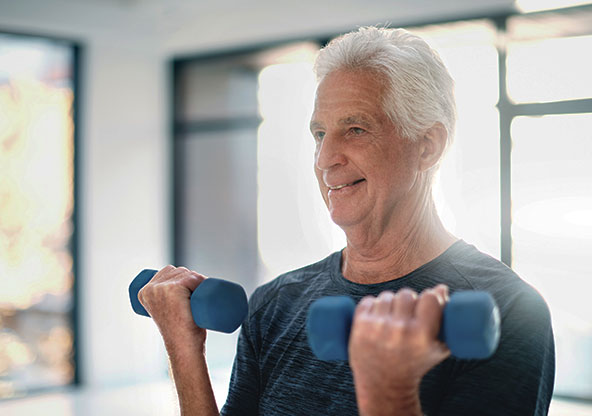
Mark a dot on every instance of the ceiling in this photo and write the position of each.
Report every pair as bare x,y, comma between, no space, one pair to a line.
172,27
178,26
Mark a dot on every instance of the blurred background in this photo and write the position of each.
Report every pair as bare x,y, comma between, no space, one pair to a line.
138,133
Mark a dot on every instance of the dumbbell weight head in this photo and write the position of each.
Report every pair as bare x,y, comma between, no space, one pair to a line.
328,327
219,304
470,327
135,286
216,304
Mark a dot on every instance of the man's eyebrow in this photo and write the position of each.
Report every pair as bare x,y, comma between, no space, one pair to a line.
357,119
360,119
315,125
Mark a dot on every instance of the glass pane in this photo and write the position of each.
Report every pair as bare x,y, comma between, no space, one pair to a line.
467,191
36,203
226,88
294,227
216,90
548,57
217,194
538,5
552,232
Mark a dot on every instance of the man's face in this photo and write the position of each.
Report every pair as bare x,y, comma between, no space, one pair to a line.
365,171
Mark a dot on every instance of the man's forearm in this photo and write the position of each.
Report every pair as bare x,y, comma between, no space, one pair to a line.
192,380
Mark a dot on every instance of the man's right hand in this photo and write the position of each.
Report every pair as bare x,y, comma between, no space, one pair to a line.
166,297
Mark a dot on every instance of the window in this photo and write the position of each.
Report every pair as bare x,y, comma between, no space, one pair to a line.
550,111
36,214
294,227
467,192
552,231
516,181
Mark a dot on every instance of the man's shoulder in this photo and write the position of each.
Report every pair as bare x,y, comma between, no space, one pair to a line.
480,271
301,275
293,281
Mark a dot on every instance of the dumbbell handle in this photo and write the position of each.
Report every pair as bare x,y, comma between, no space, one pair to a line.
216,304
470,326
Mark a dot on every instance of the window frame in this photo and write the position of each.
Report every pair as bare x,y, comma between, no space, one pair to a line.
508,110
74,318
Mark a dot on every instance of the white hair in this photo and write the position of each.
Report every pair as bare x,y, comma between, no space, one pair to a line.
419,90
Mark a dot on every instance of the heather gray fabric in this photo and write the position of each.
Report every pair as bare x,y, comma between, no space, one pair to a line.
275,372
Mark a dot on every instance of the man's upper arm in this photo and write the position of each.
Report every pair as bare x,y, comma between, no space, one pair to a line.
518,379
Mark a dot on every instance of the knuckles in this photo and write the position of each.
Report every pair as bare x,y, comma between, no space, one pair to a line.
163,284
394,338
374,322
432,297
407,294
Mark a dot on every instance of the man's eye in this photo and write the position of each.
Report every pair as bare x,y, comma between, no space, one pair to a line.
357,130
319,135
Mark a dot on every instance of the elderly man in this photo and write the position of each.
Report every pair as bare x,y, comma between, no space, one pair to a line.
384,115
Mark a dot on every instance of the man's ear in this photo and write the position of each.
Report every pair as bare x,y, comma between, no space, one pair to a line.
431,146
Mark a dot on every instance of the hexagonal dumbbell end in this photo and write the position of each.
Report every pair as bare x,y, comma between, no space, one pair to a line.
219,305
135,286
216,304
470,326
328,326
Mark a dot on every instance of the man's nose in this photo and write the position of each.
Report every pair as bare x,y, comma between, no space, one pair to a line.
329,152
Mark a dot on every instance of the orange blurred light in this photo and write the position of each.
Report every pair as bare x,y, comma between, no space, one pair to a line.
36,192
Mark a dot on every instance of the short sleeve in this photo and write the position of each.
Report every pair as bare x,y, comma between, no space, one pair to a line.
518,379
243,393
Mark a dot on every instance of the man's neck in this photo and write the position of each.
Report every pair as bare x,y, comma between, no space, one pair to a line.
407,244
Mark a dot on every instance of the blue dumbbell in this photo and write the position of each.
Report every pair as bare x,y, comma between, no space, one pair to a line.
216,304
470,326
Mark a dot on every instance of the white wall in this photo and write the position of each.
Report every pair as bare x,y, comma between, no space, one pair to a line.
123,179
125,214
124,170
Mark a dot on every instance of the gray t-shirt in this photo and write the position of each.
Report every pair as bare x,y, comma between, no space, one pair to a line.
276,373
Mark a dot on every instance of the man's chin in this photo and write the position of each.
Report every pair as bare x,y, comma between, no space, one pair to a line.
344,219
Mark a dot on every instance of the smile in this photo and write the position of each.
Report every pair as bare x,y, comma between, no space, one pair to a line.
335,188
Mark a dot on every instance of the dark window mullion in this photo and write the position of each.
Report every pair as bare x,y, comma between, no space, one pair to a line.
556,107
216,125
75,319
505,116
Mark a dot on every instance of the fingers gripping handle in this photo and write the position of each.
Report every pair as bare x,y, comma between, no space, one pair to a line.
470,326
216,304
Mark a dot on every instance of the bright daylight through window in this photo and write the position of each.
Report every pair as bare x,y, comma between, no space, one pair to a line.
36,205
551,195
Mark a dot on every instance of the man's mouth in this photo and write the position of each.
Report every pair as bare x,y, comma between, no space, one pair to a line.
338,187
